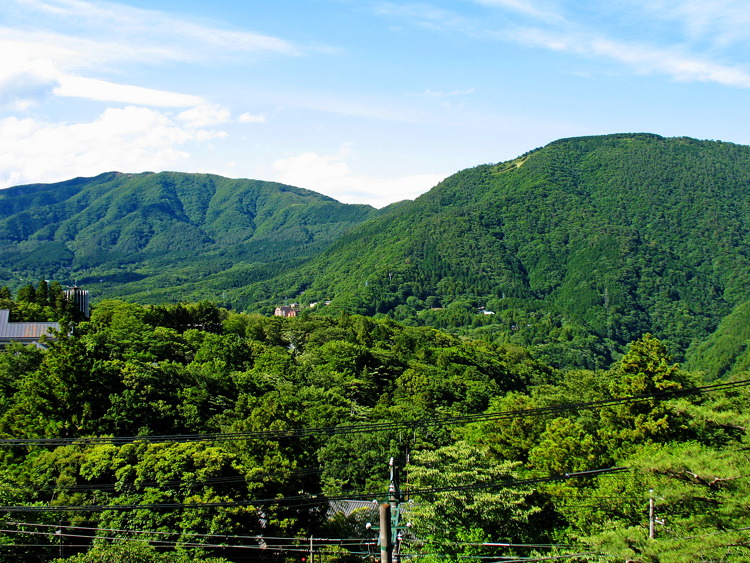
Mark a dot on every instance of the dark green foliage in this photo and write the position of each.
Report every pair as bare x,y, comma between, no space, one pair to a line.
577,248
165,232
173,371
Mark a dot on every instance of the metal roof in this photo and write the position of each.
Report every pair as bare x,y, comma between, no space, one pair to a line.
22,332
348,506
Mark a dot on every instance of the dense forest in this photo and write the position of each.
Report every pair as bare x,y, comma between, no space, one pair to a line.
183,432
571,251
164,236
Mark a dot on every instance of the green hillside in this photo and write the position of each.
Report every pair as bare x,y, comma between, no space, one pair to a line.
577,248
161,237
571,250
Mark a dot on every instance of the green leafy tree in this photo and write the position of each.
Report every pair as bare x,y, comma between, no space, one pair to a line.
42,293
509,438
66,396
566,447
27,294
135,551
500,513
645,370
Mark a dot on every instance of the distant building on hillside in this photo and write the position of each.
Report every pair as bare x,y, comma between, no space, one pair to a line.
25,333
80,297
285,311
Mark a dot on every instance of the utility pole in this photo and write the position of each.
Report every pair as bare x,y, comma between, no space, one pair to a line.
651,513
390,521
394,499
386,546
652,519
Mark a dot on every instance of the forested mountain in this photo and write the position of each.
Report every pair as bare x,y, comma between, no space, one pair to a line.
571,250
164,233
577,248
163,432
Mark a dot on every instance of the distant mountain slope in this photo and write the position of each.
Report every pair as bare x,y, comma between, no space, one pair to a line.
571,250
578,248
163,230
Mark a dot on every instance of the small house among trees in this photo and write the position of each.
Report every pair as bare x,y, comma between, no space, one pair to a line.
285,311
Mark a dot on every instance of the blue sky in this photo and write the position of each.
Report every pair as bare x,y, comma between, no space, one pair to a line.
366,101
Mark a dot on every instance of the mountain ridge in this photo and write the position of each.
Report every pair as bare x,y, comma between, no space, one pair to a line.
572,250
165,219
604,237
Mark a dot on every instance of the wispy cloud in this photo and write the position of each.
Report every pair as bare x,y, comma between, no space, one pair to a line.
543,27
148,31
39,59
526,8
430,17
204,115
251,118
440,93
673,62
720,22
101,90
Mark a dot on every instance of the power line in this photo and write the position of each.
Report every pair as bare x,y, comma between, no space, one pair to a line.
175,483
257,537
374,427
305,499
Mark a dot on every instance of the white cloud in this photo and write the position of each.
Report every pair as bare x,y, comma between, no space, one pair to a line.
526,8
61,47
131,139
643,59
24,82
330,175
101,90
250,118
722,24
205,115
146,32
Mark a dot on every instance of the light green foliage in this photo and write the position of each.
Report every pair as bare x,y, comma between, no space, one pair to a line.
700,497
508,438
193,368
135,551
499,513
566,447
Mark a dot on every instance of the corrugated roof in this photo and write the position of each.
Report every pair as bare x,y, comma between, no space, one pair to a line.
23,331
348,506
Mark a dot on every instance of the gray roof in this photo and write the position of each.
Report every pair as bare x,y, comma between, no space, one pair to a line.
22,332
348,506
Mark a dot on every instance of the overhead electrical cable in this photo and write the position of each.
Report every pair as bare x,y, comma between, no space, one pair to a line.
374,427
257,537
307,499
175,483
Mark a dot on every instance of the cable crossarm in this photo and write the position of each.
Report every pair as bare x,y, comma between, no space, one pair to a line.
309,499
374,427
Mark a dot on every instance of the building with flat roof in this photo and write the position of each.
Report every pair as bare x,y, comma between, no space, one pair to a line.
25,333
